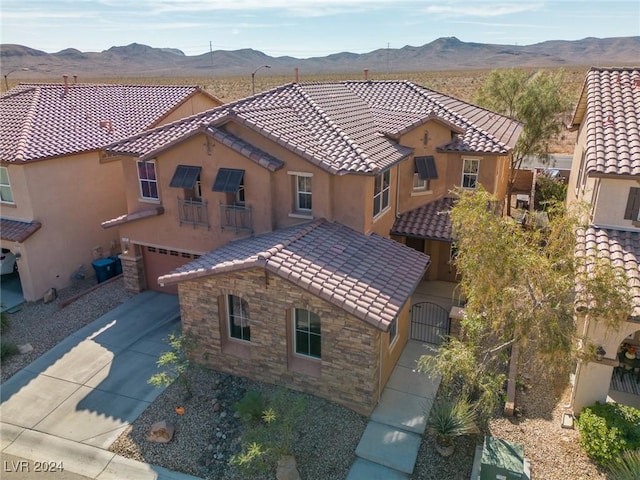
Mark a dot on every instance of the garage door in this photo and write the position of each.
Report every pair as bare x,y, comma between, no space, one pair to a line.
160,261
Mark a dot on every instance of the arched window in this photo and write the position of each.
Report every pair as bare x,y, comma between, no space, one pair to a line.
238,314
307,336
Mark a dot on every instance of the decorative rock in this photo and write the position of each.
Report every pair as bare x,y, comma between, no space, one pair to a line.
223,414
216,407
287,468
160,432
50,296
26,348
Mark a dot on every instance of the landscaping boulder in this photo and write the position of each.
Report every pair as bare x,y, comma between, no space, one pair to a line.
287,468
160,432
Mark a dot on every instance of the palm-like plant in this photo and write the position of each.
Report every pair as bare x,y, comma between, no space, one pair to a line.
451,418
626,467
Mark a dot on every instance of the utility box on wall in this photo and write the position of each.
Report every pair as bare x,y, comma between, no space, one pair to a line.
502,460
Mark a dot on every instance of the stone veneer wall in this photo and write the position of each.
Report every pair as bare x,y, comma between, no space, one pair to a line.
350,348
133,273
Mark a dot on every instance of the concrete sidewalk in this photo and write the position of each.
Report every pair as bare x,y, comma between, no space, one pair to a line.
71,403
389,445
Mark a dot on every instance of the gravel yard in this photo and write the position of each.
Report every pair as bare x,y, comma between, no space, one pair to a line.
208,433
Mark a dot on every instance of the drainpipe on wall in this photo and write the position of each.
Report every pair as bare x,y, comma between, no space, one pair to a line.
380,373
397,189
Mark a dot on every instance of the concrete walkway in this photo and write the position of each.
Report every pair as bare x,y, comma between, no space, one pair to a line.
389,445
71,403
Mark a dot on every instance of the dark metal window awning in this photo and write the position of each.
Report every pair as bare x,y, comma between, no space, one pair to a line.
426,168
228,180
185,176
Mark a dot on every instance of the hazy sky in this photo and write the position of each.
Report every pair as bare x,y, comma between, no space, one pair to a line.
306,28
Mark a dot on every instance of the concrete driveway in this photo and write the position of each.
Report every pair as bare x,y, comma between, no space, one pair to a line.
75,400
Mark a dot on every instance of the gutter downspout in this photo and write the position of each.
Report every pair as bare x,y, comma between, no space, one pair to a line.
380,373
397,188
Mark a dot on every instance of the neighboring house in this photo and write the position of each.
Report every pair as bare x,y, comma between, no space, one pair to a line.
355,160
56,186
606,174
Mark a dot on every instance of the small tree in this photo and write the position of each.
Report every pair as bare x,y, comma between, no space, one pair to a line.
520,290
176,363
538,100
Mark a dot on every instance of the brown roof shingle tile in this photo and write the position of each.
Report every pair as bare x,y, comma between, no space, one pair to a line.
431,221
17,231
343,127
609,107
40,121
621,247
369,276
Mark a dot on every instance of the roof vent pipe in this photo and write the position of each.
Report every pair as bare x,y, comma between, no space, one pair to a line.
75,79
366,74
66,83
297,77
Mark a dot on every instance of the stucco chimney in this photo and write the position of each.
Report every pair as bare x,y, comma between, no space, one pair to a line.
366,74
297,77
66,83
75,79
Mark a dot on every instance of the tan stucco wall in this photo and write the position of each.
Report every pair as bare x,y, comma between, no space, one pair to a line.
350,365
592,379
70,197
391,352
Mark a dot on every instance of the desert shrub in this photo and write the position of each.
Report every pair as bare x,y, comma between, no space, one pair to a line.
7,349
250,407
265,441
607,430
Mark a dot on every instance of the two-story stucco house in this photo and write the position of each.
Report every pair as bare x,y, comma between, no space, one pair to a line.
56,186
606,174
272,218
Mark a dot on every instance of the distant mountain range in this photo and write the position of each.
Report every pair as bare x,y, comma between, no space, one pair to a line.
449,53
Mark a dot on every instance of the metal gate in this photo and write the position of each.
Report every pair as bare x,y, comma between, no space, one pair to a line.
429,323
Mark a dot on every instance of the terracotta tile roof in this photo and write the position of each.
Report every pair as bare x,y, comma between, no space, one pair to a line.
621,247
369,276
343,127
17,231
609,109
431,221
48,120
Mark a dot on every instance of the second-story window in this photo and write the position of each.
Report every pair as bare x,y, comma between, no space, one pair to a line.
6,195
632,210
381,191
470,169
304,193
147,179
187,177
424,171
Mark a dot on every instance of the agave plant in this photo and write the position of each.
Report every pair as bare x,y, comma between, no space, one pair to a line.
626,466
451,418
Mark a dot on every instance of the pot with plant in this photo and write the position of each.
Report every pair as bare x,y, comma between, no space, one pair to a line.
450,418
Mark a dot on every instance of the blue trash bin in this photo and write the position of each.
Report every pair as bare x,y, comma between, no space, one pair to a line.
118,265
105,269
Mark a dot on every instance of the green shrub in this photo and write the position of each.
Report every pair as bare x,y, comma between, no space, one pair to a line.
264,441
625,467
250,407
7,349
607,430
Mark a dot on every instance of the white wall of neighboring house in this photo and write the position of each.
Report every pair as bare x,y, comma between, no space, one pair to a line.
612,196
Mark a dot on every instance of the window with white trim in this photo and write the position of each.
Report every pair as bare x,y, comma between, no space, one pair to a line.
304,193
307,333
238,316
381,191
6,194
147,179
470,169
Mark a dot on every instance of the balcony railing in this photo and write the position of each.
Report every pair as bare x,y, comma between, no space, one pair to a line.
237,217
193,212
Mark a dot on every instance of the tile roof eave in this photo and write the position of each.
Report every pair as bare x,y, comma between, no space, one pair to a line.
23,230
266,160
175,278
595,173
442,149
